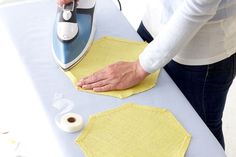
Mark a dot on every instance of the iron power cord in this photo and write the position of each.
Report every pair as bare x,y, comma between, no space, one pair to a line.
119,5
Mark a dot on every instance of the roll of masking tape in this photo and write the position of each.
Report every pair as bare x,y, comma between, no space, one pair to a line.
71,122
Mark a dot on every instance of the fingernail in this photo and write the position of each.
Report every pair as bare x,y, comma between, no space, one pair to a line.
95,89
79,83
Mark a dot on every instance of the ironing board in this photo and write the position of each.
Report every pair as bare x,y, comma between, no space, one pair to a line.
32,39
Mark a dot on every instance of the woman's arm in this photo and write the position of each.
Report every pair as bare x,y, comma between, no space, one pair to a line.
180,29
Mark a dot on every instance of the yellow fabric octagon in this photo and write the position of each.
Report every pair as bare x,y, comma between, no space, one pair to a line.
134,131
107,51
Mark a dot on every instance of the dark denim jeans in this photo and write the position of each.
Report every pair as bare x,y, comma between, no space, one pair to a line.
205,86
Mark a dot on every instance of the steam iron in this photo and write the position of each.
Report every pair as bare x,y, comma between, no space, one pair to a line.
73,32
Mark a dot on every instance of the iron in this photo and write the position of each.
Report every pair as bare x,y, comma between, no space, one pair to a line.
73,32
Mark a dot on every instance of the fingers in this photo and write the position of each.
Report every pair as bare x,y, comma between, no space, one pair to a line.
96,77
61,2
97,82
105,88
95,85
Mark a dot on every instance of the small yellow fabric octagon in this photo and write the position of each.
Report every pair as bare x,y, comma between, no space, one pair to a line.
106,51
134,131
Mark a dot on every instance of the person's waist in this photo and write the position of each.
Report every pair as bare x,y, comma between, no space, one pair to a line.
224,12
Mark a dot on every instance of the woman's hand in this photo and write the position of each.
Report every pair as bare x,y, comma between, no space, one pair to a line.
121,75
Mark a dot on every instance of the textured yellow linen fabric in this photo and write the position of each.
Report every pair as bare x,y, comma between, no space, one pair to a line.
106,51
133,130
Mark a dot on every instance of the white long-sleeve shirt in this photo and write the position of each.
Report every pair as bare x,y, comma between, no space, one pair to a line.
191,32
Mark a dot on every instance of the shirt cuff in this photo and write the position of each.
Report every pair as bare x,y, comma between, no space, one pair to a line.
146,63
